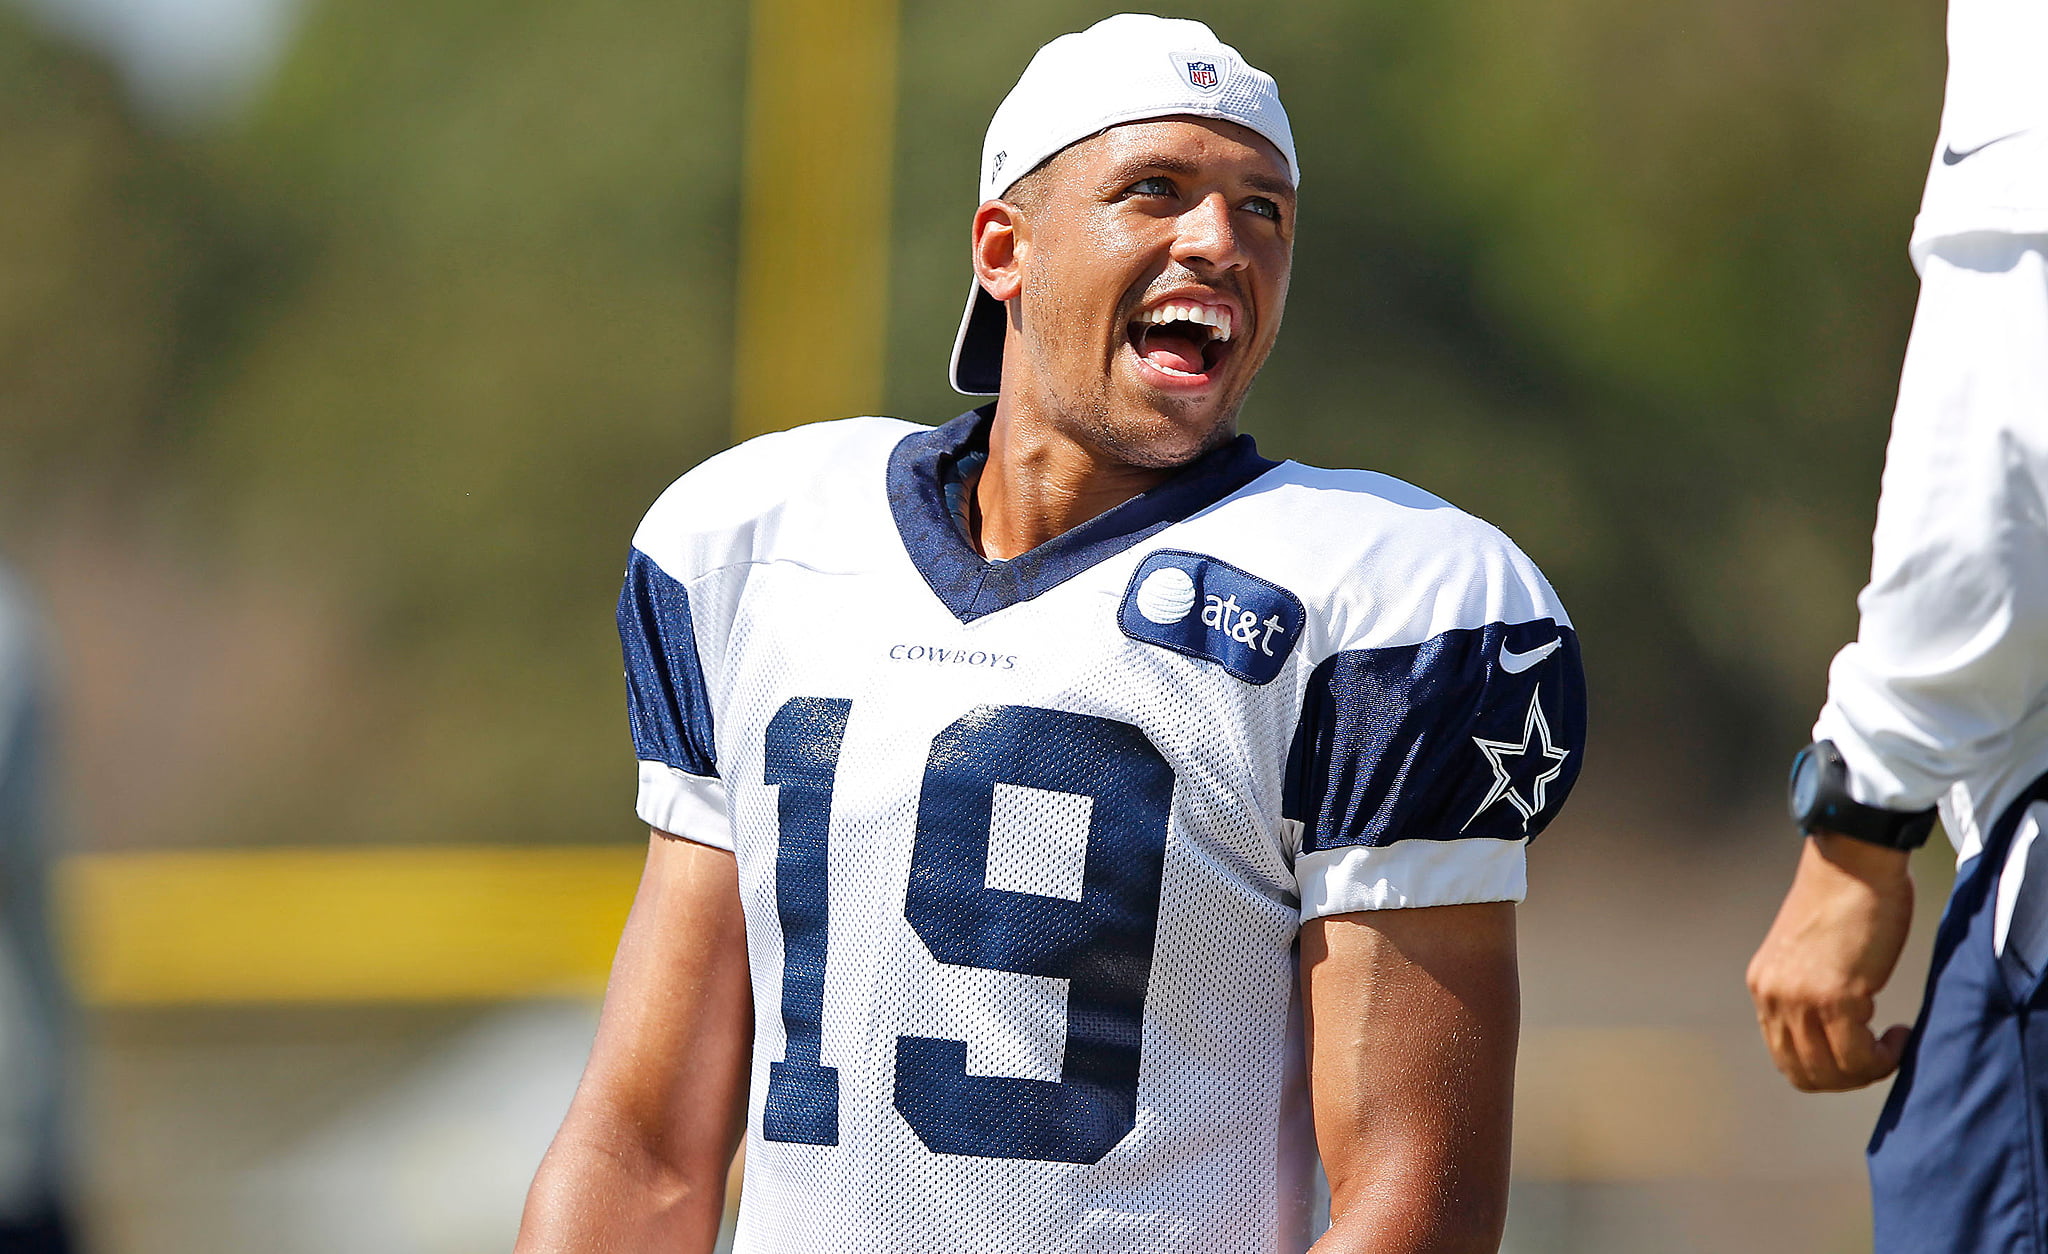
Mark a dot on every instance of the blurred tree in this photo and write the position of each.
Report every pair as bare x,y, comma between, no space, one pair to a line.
106,266
506,330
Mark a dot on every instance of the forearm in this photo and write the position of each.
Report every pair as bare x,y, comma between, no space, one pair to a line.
1832,947
603,1188
641,1160
1841,927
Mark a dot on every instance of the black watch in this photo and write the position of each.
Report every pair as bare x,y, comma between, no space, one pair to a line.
1820,800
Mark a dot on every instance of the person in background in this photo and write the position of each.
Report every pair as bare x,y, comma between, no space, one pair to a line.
32,1206
1942,701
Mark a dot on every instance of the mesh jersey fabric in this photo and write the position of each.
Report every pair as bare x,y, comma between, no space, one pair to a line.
1024,847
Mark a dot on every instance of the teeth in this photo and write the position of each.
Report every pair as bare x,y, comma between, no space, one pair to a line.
1216,317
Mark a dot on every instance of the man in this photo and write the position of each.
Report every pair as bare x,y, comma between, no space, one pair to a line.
32,1186
1943,698
1045,737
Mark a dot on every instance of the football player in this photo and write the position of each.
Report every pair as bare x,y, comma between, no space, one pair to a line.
1067,820
1943,699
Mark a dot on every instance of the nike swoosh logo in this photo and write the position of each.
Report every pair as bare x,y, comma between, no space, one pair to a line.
1515,663
1949,155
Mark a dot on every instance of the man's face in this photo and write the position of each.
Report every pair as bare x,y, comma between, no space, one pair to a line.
1149,273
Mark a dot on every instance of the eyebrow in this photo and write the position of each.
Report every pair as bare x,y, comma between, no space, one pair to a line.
1189,169
1267,183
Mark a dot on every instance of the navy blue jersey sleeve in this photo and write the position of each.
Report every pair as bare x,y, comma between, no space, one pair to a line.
1473,734
666,701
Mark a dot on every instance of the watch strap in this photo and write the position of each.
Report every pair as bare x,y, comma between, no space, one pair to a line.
1832,809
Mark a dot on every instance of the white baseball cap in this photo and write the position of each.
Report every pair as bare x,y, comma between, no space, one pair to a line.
1125,68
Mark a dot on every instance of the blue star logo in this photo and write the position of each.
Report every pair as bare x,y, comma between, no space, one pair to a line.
1502,755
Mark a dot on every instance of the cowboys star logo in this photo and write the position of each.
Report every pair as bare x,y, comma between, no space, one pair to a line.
1500,754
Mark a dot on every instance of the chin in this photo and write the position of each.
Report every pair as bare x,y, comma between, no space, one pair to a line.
1167,434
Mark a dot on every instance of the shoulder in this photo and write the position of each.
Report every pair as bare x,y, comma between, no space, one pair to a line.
724,508
1382,562
1444,693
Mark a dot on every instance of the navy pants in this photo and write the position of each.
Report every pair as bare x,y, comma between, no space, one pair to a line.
1957,1161
44,1233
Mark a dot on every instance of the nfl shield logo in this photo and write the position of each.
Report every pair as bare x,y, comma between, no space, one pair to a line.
1202,74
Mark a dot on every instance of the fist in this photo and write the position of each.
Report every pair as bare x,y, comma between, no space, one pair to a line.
1833,946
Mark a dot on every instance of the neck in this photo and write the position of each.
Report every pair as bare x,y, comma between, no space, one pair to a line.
1040,482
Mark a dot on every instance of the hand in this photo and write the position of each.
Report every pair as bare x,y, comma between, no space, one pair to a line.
1833,946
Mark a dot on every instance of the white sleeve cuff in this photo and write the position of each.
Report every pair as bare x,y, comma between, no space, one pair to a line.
1888,764
686,805
1411,873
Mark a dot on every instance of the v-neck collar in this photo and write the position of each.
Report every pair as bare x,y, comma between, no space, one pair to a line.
972,586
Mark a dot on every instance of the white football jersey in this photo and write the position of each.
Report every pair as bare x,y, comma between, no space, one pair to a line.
1024,846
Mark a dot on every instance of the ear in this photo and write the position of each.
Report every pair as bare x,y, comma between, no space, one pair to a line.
999,228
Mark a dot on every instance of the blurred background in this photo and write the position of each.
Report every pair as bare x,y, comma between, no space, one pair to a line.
342,345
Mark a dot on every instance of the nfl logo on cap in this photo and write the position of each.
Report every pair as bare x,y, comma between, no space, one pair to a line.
1202,74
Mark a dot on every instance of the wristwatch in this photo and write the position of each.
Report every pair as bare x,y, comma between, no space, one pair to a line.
1820,800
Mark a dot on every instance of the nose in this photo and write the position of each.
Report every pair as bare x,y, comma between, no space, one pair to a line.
1206,235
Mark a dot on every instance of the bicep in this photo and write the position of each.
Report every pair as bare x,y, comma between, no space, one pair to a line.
670,1062
1412,1020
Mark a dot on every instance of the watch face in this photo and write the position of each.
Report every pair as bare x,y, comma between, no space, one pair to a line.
1806,772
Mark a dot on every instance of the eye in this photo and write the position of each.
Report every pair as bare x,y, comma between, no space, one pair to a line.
1263,207
1154,186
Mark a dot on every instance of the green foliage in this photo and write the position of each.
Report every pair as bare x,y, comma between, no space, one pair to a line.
433,325
103,268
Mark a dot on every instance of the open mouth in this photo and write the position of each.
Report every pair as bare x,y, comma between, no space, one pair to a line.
1182,339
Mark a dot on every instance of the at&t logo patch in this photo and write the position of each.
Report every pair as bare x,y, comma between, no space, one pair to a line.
1207,608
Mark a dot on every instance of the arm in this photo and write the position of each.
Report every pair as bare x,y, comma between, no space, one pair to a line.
1833,946
1951,655
1951,652
640,1161
1412,1022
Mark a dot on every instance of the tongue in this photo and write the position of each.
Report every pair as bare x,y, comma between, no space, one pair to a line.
1168,351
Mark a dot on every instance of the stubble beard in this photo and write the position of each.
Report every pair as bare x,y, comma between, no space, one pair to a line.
1098,423
1130,431
1138,443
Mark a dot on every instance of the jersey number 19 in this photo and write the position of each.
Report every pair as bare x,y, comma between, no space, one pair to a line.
1101,944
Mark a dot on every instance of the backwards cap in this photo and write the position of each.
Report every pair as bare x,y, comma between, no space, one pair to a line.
1126,68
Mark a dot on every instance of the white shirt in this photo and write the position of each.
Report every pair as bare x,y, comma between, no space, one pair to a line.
1941,697
1989,171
